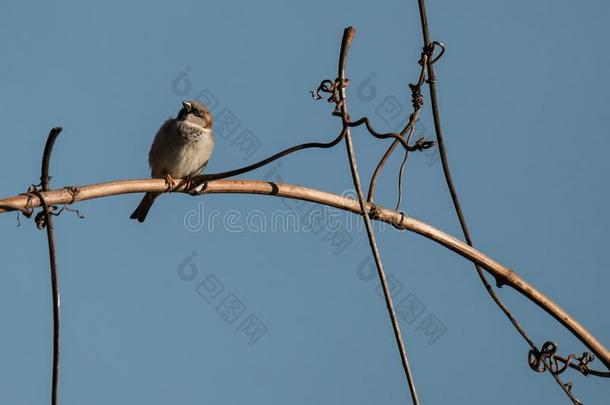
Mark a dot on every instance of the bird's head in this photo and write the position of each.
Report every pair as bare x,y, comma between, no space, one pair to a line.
193,111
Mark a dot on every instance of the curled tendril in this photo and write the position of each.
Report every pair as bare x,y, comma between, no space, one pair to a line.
538,359
74,191
580,363
334,88
422,144
326,86
431,48
40,219
583,362
547,359
330,87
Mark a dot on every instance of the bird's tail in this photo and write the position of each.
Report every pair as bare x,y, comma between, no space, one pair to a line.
144,206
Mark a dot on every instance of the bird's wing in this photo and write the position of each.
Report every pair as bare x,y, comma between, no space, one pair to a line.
159,145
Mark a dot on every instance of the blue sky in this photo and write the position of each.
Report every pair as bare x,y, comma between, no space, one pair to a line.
523,92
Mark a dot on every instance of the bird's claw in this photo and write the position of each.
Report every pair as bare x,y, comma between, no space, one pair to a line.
186,183
170,183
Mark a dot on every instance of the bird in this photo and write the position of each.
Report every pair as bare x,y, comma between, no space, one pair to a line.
181,149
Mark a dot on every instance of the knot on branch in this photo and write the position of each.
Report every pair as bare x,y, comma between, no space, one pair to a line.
428,59
374,212
398,225
428,53
41,219
417,99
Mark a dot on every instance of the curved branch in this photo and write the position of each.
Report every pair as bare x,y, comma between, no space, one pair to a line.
74,194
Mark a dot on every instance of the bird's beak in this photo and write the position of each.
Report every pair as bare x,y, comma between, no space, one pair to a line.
187,106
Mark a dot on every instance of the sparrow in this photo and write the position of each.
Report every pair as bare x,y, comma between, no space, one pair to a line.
181,149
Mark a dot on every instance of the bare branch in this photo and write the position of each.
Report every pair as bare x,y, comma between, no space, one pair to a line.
509,277
429,46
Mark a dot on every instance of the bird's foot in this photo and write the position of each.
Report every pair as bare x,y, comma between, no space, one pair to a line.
170,183
190,184
187,183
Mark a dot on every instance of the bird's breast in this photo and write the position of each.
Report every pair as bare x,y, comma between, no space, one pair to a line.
186,154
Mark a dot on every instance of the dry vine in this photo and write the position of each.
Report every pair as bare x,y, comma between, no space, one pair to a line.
512,279
539,360
535,355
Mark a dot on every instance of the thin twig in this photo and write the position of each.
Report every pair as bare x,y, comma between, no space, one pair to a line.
452,190
420,145
48,218
449,178
348,36
198,180
401,172
418,101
